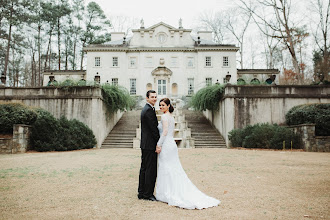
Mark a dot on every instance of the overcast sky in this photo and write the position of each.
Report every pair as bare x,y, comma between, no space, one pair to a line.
168,11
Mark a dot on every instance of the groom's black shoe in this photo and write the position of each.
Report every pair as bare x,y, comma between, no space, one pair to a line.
140,196
151,198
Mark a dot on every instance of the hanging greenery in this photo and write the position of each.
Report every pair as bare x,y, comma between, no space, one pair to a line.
117,98
208,98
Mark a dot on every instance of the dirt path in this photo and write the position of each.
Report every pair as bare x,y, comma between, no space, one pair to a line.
102,184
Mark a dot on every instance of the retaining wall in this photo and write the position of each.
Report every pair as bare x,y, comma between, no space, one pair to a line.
82,103
248,105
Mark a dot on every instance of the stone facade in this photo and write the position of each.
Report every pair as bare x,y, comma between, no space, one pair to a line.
309,141
19,143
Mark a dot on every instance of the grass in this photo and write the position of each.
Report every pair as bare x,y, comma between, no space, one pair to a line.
102,184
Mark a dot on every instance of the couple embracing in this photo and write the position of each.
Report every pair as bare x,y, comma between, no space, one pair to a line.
173,185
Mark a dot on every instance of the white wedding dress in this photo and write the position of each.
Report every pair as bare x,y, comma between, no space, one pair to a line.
173,185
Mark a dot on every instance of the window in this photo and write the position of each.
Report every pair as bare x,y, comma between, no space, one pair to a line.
114,81
132,62
148,62
190,62
161,87
208,81
208,61
225,61
190,86
174,61
115,61
132,86
97,61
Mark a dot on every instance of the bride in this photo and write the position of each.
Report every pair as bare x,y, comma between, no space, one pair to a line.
173,185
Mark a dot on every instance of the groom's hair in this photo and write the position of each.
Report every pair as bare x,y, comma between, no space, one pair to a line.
150,91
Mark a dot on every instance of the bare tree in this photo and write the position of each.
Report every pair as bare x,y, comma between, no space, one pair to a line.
280,23
215,22
123,24
237,24
321,54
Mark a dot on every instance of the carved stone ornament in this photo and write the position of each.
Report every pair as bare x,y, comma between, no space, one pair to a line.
161,61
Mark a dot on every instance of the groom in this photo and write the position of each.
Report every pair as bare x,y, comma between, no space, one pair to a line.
149,138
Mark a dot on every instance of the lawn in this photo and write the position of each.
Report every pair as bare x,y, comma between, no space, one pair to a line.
102,184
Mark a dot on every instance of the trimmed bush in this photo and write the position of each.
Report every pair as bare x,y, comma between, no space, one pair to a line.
46,132
76,135
15,113
318,114
208,98
51,134
264,136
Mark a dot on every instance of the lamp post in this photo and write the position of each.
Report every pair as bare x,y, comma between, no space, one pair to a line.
3,79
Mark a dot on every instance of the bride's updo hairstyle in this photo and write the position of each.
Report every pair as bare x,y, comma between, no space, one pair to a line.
167,102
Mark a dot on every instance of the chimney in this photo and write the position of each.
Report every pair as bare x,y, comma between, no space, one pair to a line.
117,36
205,35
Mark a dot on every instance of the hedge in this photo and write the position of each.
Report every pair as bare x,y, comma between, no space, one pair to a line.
51,134
264,136
318,114
15,113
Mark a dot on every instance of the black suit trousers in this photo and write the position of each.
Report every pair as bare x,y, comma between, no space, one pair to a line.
148,173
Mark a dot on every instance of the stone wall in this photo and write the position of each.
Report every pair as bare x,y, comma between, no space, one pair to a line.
19,143
248,105
82,103
309,141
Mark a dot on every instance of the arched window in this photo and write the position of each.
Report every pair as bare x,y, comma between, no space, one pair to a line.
269,81
255,81
241,81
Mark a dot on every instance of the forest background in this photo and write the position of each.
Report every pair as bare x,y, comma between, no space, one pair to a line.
41,35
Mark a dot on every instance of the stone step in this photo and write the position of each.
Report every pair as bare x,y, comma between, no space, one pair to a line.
124,132
205,135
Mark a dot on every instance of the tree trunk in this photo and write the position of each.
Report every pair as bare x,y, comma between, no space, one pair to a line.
74,54
59,43
39,54
82,56
8,45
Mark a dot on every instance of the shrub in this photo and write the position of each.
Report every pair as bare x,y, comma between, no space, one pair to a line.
208,98
15,113
76,135
264,136
46,132
318,114
51,134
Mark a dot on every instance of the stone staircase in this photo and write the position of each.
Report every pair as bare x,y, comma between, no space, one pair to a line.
205,135
122,135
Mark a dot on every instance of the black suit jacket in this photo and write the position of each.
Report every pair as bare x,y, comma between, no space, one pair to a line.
149,130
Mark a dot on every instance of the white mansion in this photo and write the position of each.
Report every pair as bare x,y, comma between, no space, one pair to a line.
164,58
